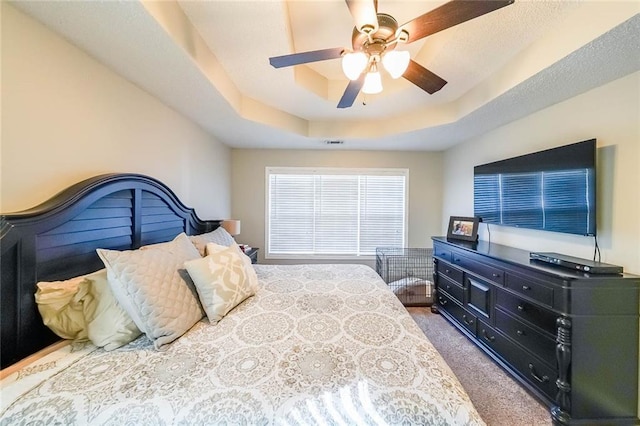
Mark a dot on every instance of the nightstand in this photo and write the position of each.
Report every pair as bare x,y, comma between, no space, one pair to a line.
253,254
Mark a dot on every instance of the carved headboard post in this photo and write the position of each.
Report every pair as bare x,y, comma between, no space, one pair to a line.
57,240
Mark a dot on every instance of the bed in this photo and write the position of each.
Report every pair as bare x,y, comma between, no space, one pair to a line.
314,344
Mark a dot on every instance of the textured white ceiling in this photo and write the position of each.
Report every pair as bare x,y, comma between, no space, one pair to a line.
209,60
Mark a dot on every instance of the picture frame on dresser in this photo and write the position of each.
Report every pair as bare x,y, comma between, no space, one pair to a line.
463,228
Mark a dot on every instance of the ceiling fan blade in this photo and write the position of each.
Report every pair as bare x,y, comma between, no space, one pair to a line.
305,57
351,92
448,15
364,12
423,78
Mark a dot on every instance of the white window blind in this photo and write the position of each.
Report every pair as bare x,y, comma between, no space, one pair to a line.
334,212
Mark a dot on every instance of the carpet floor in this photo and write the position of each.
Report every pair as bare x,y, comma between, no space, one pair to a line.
499,399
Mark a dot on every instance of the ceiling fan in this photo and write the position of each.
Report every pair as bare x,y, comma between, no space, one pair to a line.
375,38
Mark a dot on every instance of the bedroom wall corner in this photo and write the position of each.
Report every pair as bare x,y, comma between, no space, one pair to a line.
66,117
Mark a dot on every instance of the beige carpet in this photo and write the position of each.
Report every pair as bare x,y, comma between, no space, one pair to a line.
499,399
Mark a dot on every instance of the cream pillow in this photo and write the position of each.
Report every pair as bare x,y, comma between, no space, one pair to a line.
108,325
219,236
152,286
59,311
83,308
246,260
221,280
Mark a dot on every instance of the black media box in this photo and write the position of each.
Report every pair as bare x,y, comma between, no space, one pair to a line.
576,263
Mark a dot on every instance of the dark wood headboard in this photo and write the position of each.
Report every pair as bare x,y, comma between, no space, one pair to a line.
58,239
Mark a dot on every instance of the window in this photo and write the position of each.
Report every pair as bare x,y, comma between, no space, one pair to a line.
334,213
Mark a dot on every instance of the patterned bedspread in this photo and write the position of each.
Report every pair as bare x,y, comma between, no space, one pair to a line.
318,344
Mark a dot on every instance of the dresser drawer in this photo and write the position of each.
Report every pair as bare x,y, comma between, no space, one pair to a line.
534,371
453,289
528,311
491,273
535,341
447,270
442,251
461,315
479,295
530,289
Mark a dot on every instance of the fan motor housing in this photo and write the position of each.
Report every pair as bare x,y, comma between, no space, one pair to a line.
387,27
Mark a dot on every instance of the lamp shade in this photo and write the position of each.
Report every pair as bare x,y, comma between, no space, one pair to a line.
353,64
396,62
232,226
372,83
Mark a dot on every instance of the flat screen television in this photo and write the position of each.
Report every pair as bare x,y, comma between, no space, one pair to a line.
550,190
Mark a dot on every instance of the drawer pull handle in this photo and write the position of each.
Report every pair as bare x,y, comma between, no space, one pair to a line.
448,287
542,379
457,259
469,322
448,271
526,287
495,275
520,332
442,301
521,308
487,337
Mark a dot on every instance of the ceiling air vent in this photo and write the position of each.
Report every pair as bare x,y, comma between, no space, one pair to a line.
334,142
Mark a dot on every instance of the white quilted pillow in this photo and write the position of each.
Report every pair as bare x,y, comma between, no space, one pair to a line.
219,236
222,281
154,289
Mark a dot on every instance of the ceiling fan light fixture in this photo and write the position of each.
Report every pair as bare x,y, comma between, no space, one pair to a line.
353,64
375,37
402,36
396,62
372,83
369,29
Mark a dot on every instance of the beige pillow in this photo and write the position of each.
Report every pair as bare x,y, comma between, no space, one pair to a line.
219,236
59,311
152,286
246,260
221,280
83,308
108,325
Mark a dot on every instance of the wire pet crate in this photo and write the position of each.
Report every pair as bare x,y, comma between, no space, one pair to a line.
408,272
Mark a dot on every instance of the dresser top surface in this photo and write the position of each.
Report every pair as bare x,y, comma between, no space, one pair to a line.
521,257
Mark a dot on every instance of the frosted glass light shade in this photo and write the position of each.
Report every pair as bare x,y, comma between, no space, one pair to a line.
353,64
396,62
372,83
232,226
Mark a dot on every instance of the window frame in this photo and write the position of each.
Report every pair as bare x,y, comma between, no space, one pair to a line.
269,170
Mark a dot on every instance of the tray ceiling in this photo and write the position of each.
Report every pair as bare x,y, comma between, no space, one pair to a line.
209,61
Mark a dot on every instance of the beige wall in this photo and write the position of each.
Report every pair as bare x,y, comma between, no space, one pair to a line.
248,186
66,117
611,114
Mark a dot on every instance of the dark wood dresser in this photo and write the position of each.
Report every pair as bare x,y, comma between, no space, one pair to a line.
570,338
